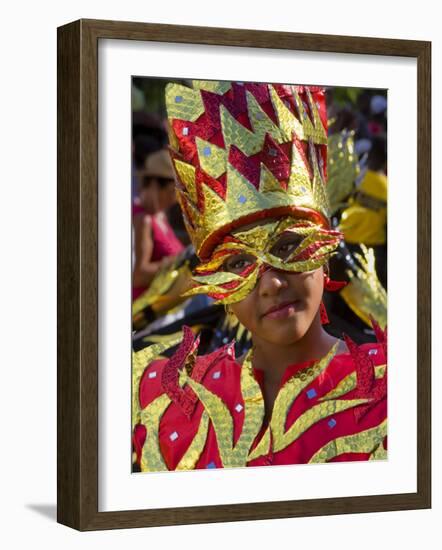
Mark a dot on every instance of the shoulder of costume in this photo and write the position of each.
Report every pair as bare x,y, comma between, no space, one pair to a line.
169,375
170,427
365,360
376,351
368,362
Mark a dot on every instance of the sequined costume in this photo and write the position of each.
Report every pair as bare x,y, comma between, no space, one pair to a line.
251,165
208,412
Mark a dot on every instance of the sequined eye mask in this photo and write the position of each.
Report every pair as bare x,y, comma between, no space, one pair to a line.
310,247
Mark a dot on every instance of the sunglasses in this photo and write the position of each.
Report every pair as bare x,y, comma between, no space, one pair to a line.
162,182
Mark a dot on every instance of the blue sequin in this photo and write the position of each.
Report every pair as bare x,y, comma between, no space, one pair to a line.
178,98
242,199
211,465
311,393
332,423
207,151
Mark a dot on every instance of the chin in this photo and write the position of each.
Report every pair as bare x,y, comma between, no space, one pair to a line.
284,333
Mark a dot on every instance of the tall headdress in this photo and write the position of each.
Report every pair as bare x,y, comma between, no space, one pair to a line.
244,152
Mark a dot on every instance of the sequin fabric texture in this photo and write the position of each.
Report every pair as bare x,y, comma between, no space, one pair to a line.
333,409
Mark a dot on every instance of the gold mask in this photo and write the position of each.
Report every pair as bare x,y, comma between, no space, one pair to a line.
288,244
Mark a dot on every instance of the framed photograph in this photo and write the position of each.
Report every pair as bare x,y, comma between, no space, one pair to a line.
234,208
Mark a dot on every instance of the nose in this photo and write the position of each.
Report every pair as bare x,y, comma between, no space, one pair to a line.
271,282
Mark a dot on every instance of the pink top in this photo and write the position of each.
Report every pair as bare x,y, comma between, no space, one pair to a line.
165,242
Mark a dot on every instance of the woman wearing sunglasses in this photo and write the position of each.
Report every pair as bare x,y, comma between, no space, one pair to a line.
155,243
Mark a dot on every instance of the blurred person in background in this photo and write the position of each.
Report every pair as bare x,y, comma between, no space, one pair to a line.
377,123
148,136
155,243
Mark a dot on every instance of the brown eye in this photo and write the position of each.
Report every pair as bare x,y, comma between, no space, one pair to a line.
285,246
239,262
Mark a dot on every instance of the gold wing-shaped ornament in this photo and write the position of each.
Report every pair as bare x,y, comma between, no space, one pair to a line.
166,288
365,294
343,169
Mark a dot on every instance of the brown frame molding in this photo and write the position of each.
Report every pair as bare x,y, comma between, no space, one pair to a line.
77,225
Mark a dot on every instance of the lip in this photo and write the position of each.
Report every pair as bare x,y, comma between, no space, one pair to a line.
281,310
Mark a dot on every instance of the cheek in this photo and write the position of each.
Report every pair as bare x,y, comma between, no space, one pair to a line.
168,195
311,286
146,193
245,311
165,198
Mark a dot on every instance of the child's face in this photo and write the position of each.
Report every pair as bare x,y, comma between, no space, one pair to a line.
286,245
301,291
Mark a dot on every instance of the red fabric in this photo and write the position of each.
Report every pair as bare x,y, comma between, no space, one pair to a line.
323,313
226,384
165,242
333,286
183,397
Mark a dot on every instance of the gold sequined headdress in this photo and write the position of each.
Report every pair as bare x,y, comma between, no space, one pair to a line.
245,152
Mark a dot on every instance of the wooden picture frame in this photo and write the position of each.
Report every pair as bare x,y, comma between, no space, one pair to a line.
77,433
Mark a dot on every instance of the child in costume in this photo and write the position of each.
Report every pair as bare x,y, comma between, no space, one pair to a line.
250,160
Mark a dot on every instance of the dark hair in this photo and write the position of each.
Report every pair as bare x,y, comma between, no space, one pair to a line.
144,145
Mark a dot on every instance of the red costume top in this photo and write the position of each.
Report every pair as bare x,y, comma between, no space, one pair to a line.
165,242
207,412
